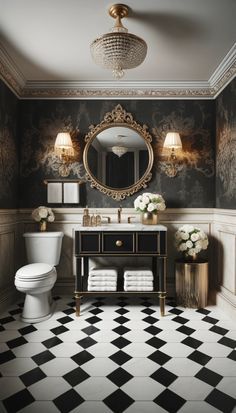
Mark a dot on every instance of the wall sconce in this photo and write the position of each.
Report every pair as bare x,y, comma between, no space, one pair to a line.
63,146
171,143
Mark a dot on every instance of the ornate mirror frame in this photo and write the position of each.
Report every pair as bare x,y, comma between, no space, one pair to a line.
118,117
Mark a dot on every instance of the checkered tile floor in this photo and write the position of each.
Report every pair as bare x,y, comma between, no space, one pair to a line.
119,356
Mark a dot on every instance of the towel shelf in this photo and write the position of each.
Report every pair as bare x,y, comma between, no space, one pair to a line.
148,243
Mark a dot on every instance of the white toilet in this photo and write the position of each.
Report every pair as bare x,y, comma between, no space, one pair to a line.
37,279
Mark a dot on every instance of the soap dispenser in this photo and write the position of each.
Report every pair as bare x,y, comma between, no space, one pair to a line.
86,217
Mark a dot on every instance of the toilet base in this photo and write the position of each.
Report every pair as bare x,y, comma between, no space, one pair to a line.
37,308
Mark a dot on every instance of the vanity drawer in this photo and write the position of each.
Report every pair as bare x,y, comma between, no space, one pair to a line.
87,242
148,242
120,242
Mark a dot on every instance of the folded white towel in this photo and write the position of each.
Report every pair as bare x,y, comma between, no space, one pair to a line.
102,278
138,288
102,283
101,288
111,272
138,277
139,283
142,271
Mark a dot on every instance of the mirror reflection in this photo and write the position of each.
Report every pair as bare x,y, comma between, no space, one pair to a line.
118,157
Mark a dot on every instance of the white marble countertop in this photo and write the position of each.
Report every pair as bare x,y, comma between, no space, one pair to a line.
124,227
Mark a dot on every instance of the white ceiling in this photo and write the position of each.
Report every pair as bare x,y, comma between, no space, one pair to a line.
119,135
48,40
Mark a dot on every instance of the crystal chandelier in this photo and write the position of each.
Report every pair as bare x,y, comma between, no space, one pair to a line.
118,50
119,149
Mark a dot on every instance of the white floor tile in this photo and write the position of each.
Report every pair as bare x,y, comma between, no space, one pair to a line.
8,335
9,386
142,388
223,366
228,386
190,388
145,407
92,407
39,407
215,349
182,367
171,336
28,349
49,388
176,349
228,324
105,336
198,407
140,367
198,325
15,325
66,349
95,388
17,366
102,350
99,367
58,366
206,336
72,336
39,336
137,336
139,350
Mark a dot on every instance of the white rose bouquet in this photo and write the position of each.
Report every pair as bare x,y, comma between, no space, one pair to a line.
190,240
43,214
148,202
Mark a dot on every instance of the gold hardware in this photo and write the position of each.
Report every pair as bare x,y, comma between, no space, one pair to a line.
119,243
108,219
119,214
129,219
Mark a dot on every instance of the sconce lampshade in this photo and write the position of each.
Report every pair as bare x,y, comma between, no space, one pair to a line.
172,141
63,144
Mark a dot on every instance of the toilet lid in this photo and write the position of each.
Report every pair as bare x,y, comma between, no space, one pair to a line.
34,270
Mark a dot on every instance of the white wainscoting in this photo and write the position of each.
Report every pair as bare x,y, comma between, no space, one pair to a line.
220,225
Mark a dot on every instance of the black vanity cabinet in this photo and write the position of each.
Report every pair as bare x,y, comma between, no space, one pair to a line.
125,243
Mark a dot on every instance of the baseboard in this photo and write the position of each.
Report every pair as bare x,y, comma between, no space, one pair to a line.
226,305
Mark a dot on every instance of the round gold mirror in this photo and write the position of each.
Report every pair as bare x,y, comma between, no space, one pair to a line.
118,155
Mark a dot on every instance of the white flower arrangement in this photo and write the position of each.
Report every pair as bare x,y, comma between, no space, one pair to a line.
190,240
148,202
43,213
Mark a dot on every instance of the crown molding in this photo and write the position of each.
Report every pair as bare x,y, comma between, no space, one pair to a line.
10,73
210,89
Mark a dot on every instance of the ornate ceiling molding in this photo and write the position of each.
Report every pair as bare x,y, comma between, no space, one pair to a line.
224,73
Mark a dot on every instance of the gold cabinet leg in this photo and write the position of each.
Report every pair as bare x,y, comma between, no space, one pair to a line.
77,305
162,305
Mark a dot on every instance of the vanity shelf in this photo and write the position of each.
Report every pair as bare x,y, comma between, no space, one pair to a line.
137,241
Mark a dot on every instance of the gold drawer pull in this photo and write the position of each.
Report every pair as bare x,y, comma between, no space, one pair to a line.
119,243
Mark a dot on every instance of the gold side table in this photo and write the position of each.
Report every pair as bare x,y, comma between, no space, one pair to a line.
191,279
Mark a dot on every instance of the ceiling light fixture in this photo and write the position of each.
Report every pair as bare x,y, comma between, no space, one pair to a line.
119,149
118,50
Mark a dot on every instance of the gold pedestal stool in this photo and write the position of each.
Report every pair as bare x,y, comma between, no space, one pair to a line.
191,283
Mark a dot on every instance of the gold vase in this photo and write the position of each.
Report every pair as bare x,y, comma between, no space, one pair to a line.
43,226
149,218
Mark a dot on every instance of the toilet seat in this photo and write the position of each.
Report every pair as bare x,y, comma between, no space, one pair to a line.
35,271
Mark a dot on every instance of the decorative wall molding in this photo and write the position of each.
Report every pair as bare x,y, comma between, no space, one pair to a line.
25,89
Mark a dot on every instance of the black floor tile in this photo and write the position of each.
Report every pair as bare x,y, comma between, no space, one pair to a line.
6,320
121,320
156,342
186,330
27,330
69,311
119,377
170,401
228,342
118,401
219,330
153,330
82,357
164,376
159,357
122,311
68,401
221,401
59,330
120,357
16,311
209,376
76,376
150,320
148,311
120,342
210,320
199,357
203,311
52,342
96,311
232,355
6,356
86,342
191,342
93,320
65,320
121,330
43,357
18,401
175,311
180,320
32,376
19,341
90,330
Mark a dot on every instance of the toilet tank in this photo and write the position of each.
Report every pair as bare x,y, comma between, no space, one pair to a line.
43,247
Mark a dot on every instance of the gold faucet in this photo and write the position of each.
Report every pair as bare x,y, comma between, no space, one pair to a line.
119,214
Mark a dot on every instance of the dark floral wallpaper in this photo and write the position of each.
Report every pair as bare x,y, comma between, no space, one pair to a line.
9,152
41,120
226,148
